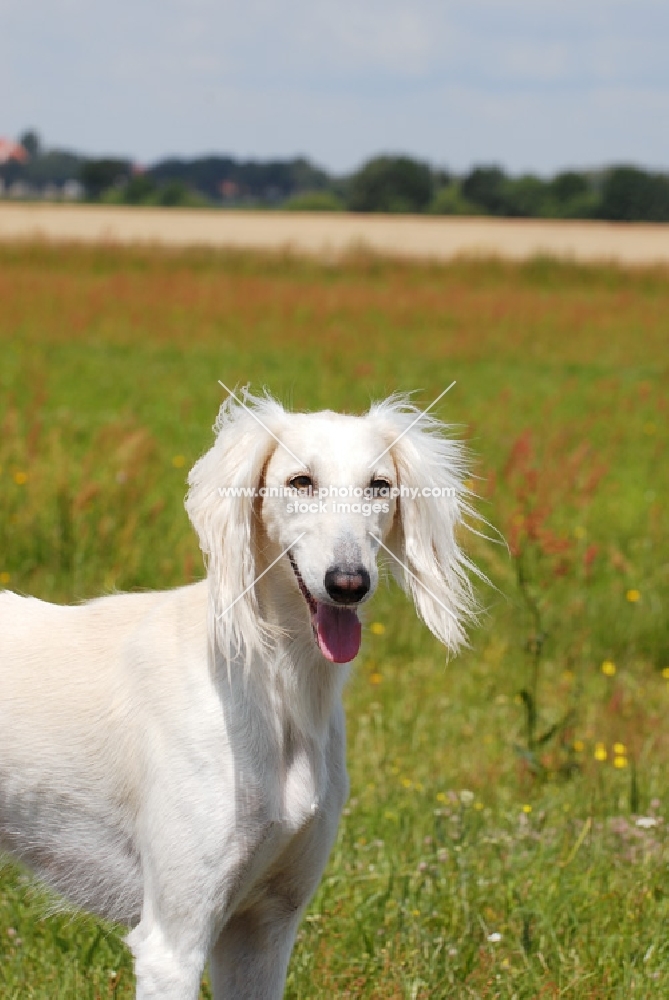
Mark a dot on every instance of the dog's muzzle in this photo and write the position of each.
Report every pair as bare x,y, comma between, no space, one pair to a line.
336,627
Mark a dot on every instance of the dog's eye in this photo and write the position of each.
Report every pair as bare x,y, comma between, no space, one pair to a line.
301,483
379,488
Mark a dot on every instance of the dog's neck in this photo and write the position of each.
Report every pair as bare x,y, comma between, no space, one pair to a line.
301,689
311,684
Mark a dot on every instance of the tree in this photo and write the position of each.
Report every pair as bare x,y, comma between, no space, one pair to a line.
30,141
140,190
449,200
485,187
568,185
525,197
632,195
391,184
573,196
99,175
176,194
314,201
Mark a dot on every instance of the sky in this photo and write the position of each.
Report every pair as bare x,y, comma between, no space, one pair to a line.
533,85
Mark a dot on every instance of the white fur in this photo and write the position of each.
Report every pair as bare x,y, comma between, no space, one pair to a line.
181,767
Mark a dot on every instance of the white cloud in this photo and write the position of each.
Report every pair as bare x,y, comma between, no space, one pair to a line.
528,84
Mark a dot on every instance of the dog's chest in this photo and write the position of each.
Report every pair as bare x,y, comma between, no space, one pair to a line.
303,789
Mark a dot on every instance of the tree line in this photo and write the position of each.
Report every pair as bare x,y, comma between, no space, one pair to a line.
396,184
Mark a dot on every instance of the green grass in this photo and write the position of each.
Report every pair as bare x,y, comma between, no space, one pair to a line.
479,806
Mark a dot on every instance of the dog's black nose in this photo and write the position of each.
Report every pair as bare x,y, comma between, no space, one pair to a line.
345,585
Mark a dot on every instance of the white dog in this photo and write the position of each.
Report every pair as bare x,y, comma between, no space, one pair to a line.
175,760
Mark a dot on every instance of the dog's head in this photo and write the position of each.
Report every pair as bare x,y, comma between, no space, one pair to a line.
295,508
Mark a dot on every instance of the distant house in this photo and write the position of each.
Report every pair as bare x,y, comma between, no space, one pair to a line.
20,190
229,189
73,191
10,150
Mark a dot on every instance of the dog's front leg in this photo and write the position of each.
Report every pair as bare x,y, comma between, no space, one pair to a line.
192,888
250,959
168,964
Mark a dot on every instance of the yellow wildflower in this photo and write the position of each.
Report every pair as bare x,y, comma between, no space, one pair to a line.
620,749
608,668
579,746
375,678
5,577
179,461
406,782
527,808
665,673
620,761
633,596
441,796
600,752
377,628
20,478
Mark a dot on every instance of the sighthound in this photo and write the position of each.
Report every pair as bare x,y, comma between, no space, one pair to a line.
175,760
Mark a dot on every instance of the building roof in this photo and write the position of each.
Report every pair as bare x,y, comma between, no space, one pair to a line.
10,150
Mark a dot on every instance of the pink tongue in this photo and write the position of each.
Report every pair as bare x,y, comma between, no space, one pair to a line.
339,632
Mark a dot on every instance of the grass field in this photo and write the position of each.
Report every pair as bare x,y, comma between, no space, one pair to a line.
506,834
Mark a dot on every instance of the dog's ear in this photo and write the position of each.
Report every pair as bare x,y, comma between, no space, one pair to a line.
221,501
428,561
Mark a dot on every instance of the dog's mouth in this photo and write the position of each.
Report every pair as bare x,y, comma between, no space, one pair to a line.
337,630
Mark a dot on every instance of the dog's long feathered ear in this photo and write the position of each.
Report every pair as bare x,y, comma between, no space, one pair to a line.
225,524
429,563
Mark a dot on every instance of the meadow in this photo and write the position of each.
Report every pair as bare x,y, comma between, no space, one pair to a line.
506,834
